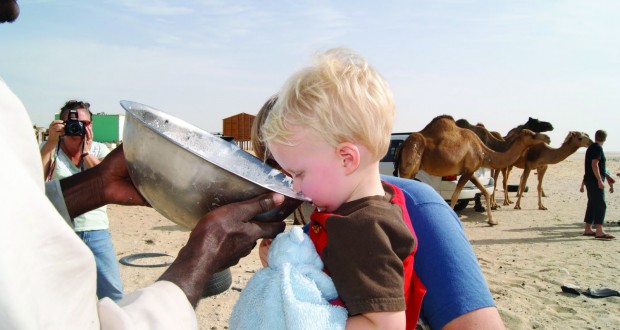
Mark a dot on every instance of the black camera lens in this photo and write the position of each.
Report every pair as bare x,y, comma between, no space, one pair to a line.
74,128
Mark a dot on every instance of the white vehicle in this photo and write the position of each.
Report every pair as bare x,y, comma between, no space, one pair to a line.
443,185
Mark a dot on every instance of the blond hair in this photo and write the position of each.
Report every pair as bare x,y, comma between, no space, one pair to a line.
341,98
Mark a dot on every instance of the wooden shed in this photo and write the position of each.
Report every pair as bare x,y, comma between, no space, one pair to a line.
240,127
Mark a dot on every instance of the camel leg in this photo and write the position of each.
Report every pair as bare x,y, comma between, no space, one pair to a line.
484,192
543,169
495,174
541,193
506,174
459,186
526,173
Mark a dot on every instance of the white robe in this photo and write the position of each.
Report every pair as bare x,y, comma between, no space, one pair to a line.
47,274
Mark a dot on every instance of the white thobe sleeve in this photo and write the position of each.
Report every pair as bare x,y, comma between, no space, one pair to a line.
161,305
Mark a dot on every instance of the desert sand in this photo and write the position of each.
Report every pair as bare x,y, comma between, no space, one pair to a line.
525,259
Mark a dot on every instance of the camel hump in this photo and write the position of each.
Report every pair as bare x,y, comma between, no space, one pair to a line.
444,117
439,121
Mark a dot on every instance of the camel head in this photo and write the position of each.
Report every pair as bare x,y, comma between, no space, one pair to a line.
578,139
543,137
529,138
462,123
537,125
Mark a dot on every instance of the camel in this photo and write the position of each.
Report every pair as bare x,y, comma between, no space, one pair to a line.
496,142
442,149
532,124
539,136
542,155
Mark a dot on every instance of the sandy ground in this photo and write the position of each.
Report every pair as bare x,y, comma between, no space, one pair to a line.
525,259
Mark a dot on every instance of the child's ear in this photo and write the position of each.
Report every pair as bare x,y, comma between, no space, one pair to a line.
349,155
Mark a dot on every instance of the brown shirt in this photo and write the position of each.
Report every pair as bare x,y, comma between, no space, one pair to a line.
367,241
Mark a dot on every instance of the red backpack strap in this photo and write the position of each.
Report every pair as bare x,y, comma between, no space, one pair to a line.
413,287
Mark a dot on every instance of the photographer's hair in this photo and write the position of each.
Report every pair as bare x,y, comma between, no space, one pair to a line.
600,136
74,105
341,98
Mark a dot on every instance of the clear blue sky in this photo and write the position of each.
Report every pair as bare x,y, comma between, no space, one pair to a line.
495,62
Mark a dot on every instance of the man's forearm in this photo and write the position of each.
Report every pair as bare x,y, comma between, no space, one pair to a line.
83,192
597,173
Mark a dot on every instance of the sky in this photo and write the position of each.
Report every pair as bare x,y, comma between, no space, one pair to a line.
493,62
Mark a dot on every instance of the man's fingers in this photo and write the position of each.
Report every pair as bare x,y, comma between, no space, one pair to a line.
248,209
268,229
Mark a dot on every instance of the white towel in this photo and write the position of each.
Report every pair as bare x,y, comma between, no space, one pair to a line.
292,293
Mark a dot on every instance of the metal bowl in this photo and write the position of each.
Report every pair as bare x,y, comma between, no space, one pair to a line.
185,172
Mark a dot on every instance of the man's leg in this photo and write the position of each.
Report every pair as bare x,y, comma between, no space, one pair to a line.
109,282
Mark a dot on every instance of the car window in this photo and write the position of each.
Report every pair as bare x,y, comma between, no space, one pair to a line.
394,144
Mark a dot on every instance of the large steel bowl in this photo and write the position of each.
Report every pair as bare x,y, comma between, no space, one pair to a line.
185,172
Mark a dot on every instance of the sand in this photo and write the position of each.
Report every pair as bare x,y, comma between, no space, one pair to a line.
525,259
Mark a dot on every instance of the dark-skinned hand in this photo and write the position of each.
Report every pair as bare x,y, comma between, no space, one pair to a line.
106,183
219,240
118,188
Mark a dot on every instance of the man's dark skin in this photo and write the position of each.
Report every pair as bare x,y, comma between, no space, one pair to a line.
9,10
219,240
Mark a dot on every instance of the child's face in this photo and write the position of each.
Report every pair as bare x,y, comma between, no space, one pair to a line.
316,169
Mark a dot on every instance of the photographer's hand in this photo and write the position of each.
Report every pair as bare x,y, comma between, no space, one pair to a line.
89,159
88,137
55,131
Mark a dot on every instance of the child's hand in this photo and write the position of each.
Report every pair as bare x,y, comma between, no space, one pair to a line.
581,189
263,251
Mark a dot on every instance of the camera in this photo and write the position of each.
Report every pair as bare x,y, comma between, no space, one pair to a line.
74,127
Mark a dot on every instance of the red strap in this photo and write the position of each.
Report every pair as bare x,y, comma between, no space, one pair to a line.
414,288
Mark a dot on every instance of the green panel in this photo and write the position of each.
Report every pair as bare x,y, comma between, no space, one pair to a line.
105,128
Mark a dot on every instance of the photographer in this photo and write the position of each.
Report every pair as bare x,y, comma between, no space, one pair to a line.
71,140
70,149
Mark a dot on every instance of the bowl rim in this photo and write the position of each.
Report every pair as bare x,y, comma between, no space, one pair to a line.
128,107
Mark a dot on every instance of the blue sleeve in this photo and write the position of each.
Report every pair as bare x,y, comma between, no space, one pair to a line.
445,261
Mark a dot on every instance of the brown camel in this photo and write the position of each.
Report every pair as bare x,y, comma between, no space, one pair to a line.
540,156
539,136
496,142
442,149
532,124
